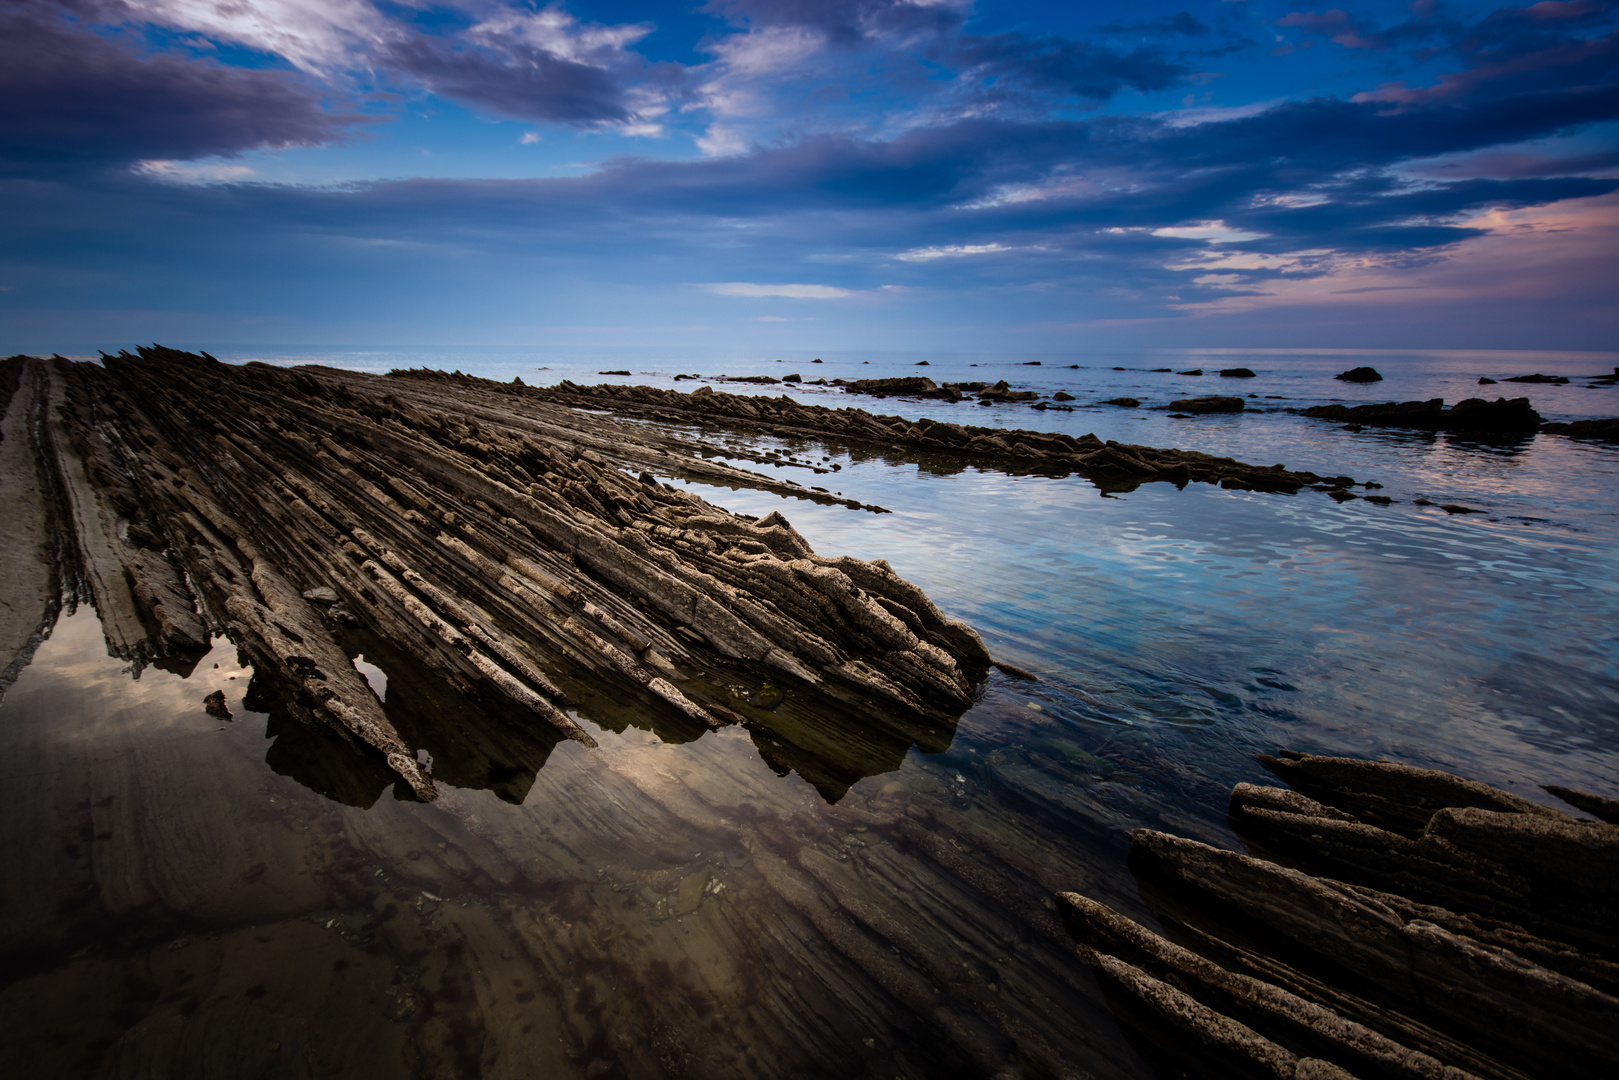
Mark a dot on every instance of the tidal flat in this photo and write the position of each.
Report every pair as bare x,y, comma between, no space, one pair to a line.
574,773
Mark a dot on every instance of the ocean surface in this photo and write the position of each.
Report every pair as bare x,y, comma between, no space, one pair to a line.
1175,634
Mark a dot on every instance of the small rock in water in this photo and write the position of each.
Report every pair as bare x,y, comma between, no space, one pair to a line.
1062,395
1360,374
1208,405
214,705
1236,373
1485,381
612,373
1191,371
1123,402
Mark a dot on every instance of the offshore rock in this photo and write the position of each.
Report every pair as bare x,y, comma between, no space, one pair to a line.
915,386
1212,404
1475,415
1360,375
1424,926
517,552
1604,430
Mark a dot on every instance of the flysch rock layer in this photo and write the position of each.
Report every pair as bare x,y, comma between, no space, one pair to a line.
1413,924
1112,466
492,540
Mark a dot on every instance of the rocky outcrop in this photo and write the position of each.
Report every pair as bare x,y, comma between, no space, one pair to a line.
1360,375
1110,465
479,534
917,386
1236,373
1473,416
1603,430
1420,925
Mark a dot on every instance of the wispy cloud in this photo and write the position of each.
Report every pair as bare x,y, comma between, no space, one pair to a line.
790,292
951,251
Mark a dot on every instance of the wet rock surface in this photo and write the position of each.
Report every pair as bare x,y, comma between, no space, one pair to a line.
1474,415
478,534
1112,466
1392,921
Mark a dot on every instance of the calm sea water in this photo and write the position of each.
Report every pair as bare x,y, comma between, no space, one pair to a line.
1175,634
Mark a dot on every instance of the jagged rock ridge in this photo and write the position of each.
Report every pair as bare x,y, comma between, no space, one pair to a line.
496,547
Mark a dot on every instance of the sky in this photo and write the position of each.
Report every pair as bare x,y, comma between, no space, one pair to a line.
1021,175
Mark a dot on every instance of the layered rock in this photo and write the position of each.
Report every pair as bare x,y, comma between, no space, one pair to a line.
1423,925
1110,465
480,534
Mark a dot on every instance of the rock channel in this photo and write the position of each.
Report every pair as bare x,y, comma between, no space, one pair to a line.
517,550
1393,922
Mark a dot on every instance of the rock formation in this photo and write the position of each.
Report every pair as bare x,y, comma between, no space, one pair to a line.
1111,465
1360,375
1473,416
1212,404
1413,924
1603,430
515,550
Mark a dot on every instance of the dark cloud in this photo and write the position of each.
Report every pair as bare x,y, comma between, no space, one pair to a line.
1057,66
76,99
513,80
844,23
1181,24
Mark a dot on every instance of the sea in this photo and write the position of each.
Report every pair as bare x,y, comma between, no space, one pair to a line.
900,926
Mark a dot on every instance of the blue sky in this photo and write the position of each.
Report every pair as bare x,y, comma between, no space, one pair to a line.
810,173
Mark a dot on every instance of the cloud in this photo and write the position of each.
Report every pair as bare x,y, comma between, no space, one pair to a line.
314,35
1057,66
791,292
951,251
183,172
1180,24
76,99
1215,232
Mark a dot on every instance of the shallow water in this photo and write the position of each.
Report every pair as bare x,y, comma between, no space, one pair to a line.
192,898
